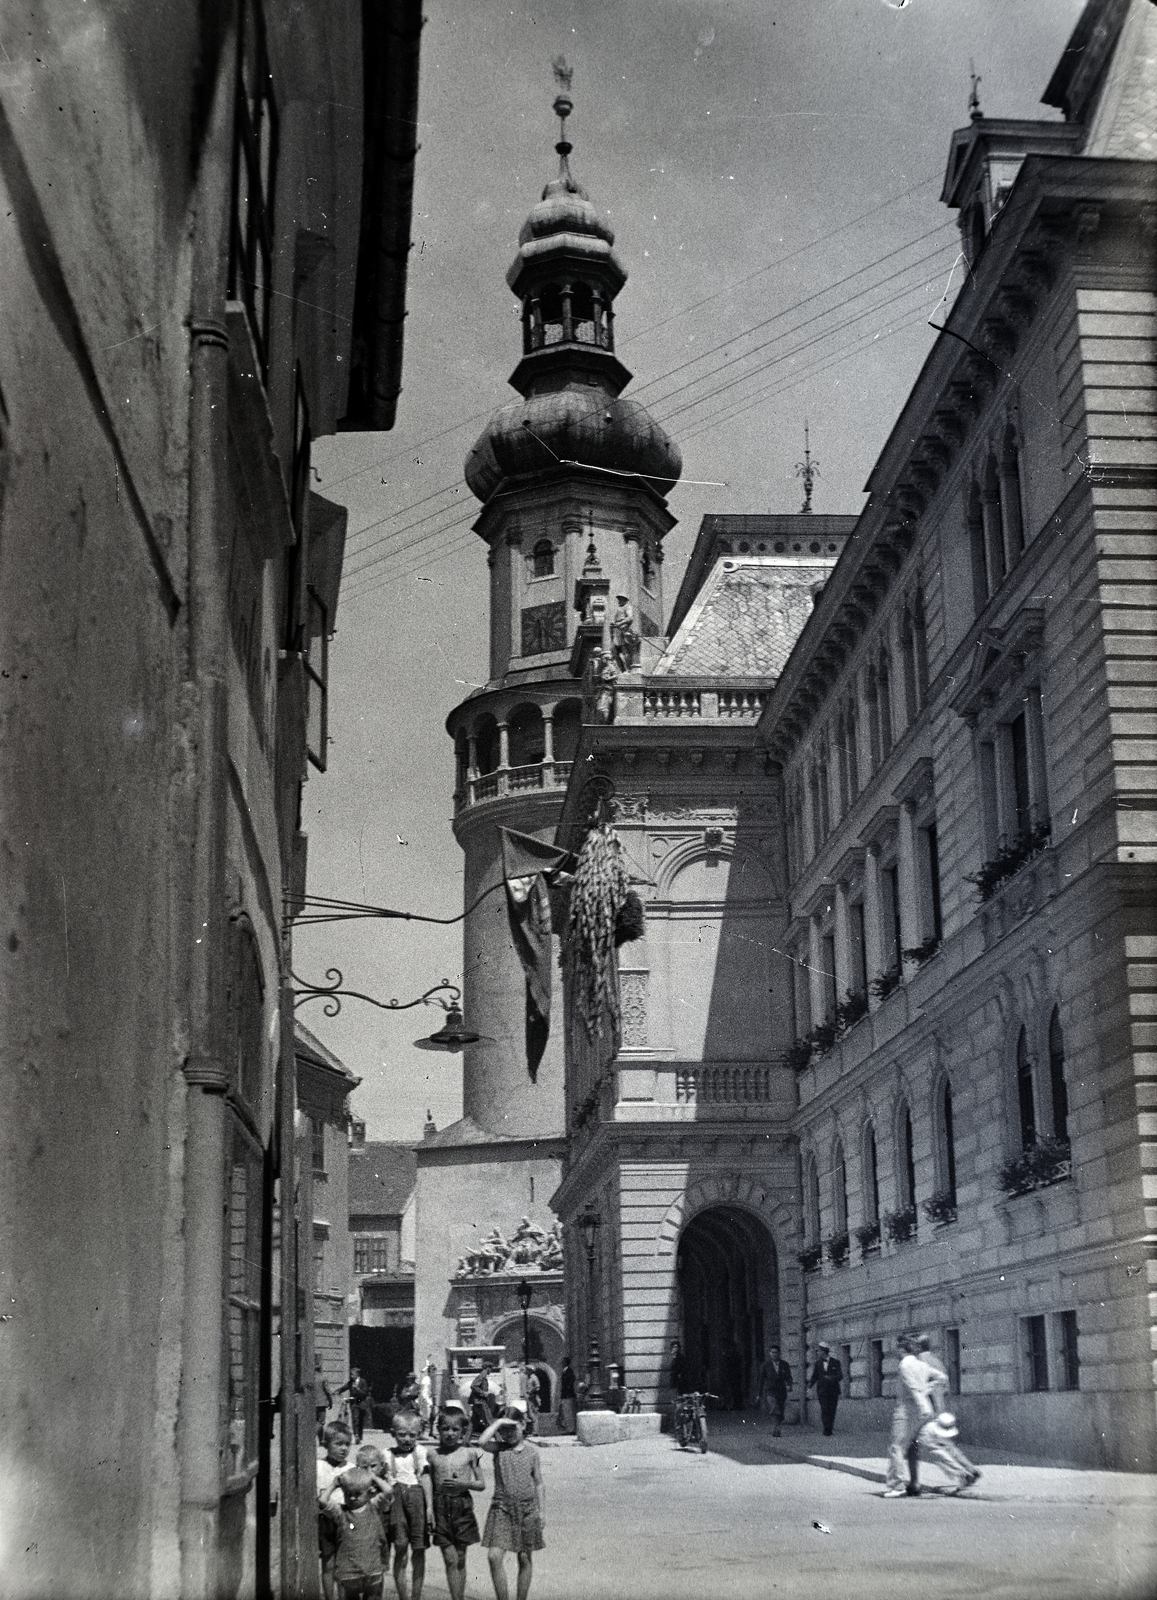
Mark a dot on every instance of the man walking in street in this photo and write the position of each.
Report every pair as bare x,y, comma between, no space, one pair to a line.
827,1375
775,1380
361,1403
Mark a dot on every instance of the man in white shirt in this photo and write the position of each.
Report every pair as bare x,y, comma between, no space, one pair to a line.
914,1409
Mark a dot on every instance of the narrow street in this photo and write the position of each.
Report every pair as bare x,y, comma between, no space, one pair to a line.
648,1521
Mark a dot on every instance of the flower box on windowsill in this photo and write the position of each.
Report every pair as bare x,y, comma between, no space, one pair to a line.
1009,859
810,1258
941,1209
900,1226
836,1249
922,952
868,1238
1046,1162
887,983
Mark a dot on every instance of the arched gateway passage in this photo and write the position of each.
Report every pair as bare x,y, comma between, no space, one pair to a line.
729,1302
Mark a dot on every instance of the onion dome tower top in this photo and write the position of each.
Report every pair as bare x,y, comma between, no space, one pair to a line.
566,275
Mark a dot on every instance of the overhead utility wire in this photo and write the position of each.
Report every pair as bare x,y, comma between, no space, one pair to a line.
387,580
797,305
691,361
819,316
809,244
683,311
893,302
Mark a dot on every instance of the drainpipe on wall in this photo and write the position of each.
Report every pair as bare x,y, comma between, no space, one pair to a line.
206,1069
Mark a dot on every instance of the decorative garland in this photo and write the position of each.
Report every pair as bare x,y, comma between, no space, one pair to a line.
597,896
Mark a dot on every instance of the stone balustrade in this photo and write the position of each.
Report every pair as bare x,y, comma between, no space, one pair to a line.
659,700
735,1083
512,780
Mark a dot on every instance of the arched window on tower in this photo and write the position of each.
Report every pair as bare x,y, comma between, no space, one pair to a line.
647,570
544,559
1025,1096
1057,1083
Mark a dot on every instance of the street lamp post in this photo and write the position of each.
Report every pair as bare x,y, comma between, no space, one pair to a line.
589,1221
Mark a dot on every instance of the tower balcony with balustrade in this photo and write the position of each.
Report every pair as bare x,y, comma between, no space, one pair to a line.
515,744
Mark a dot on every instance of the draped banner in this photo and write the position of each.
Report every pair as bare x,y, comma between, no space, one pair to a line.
527,865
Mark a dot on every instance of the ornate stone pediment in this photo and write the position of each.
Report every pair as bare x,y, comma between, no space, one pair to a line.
998,659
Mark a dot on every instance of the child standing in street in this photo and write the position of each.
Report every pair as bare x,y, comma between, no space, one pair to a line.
363,1545
517,1516
331,1468
412,1510
456,1473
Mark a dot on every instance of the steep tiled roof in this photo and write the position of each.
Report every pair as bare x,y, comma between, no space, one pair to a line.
745,619
381,1179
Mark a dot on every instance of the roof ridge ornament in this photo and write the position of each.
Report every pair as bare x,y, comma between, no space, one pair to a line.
975,114
807,470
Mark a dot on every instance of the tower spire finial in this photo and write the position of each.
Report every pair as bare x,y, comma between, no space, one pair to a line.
807,469
974,111
563,106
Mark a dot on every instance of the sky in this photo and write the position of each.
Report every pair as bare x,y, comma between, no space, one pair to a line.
772,171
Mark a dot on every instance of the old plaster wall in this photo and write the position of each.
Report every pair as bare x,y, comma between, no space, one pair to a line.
90,800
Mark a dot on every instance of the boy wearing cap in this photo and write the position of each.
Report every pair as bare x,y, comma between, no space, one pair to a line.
827,1375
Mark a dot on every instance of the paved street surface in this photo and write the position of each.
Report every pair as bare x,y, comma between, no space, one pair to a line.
645,1521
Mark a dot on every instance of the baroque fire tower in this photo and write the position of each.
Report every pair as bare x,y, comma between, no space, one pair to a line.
572,478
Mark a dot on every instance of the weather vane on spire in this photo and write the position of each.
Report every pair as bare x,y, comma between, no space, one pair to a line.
563,106
974,111
807,469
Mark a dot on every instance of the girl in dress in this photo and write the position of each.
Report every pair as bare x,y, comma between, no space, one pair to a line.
517,1516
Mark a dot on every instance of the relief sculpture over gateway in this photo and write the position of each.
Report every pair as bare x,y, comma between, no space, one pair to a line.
529,1249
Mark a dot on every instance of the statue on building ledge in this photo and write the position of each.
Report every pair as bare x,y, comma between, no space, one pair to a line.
530,1248
624,635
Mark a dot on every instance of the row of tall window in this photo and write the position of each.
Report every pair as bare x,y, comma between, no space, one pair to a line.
1043,1107
1048,1358
995,513
884,699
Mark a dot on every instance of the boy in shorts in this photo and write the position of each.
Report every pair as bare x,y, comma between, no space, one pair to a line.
412,1508
455,1470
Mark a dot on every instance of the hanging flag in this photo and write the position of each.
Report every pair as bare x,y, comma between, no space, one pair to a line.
527,864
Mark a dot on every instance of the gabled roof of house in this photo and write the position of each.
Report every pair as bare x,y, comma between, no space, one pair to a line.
381,1178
